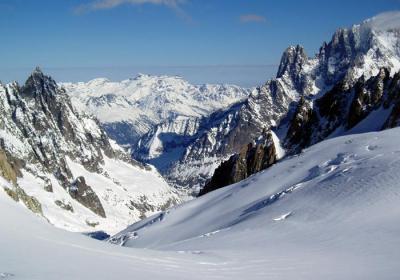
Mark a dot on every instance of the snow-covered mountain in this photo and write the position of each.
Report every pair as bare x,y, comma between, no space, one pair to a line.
351,78
156,116
352,53
62,166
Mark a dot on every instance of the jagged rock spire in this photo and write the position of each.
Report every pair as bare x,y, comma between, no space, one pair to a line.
38,84
292,60
291,66
37,70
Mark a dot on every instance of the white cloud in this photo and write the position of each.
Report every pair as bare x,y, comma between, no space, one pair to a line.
385,21
110,4
252,18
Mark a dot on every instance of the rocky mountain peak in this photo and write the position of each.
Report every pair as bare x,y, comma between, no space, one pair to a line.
292,62
39,84
37,71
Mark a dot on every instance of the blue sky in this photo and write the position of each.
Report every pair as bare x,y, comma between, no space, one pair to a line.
238,41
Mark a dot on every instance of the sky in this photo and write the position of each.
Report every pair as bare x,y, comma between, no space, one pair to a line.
215,41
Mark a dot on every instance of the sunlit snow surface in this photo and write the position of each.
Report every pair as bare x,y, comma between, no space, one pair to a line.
330,213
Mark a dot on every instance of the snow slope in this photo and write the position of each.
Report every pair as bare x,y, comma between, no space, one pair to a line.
329,213
31,249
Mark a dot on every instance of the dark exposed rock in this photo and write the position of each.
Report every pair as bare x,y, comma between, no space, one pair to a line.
85,195
18,194
344,107
123,132
98,235
48,187
292,62
251,159
393,100
344,51
92,224
394,118
41,114
7,169
64,205
300,129
368,96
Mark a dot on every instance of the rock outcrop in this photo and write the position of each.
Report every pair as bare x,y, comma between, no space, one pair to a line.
345,107
252,158
83,193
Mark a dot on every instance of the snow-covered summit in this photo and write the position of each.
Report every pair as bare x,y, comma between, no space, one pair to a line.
159,96
360,50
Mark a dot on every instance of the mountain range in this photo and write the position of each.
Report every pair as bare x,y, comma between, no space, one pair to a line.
155,117
187,131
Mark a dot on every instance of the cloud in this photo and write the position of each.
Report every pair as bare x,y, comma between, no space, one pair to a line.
384,21
110,4
252,18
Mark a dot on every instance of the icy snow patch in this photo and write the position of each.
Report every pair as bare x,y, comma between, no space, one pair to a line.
283,217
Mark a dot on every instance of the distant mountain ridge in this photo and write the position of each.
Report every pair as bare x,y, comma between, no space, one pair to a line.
157,117
146,101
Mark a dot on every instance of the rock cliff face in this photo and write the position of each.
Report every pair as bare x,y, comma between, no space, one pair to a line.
253,158
366,106
55,156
